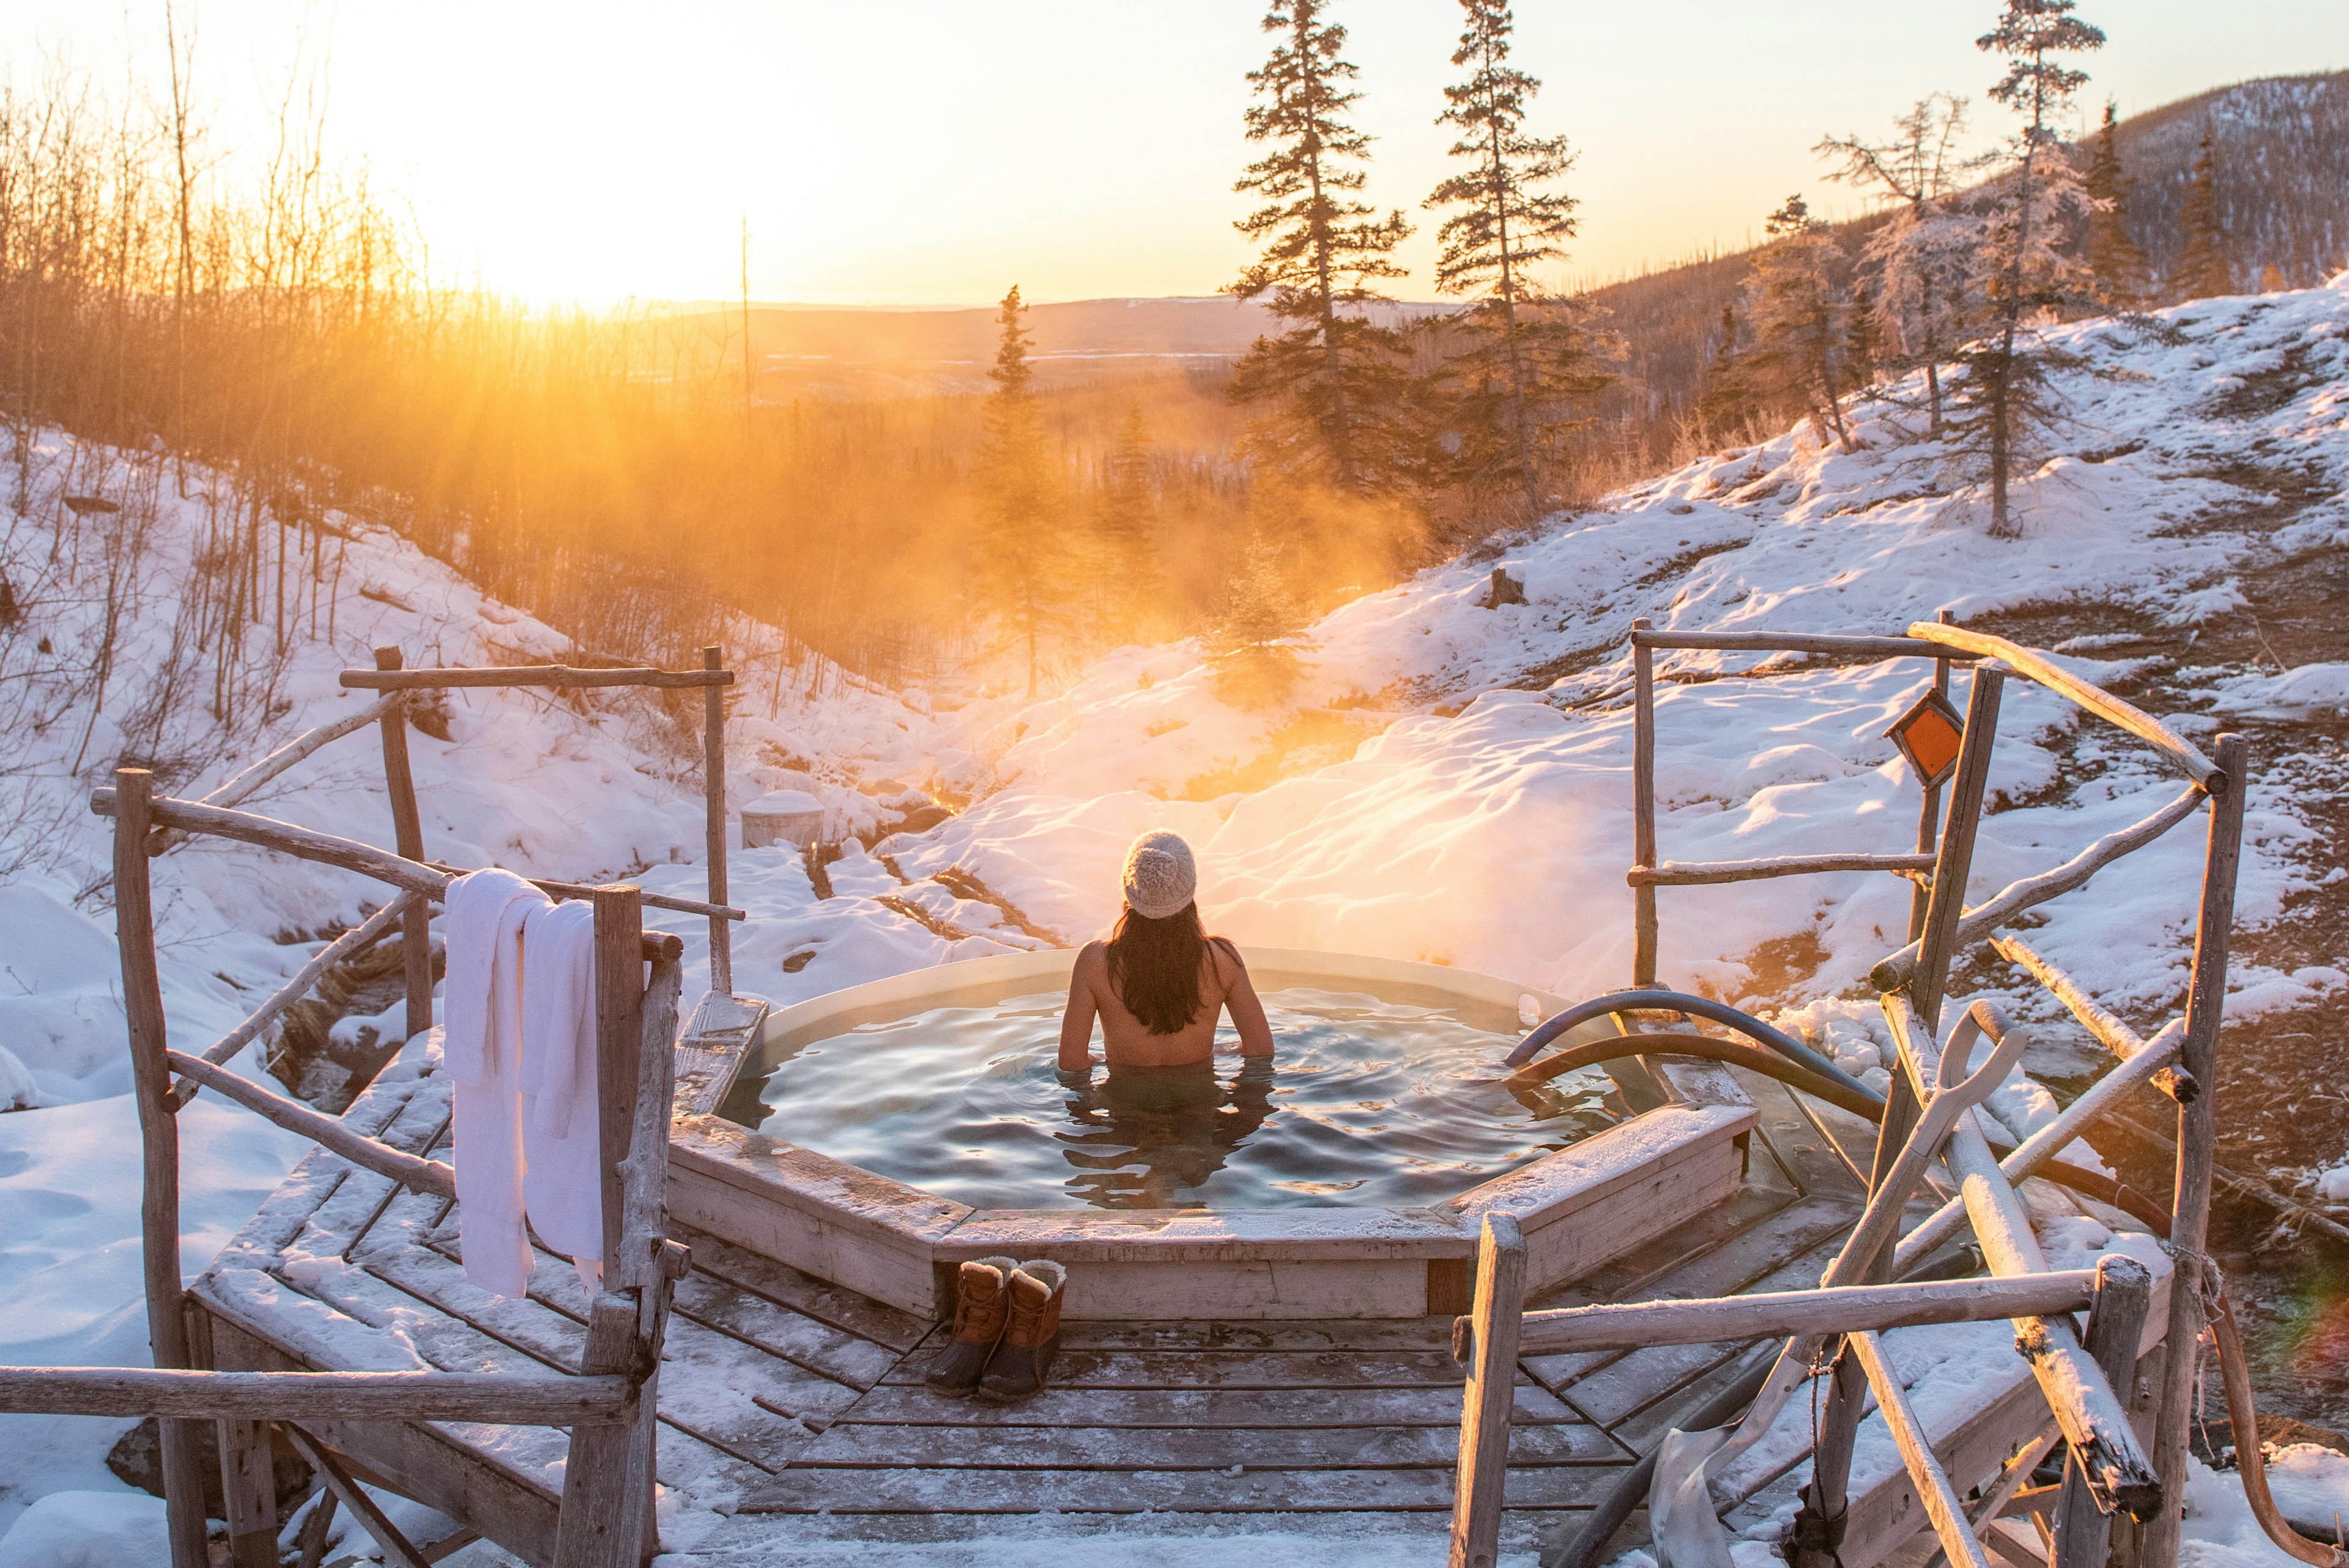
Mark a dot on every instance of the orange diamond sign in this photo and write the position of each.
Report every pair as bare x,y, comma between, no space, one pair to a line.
1930,735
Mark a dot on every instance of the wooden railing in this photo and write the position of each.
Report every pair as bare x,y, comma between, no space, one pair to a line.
1928,1115
611,1406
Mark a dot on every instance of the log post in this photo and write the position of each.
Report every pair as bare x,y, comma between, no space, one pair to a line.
1643,806
1486,1404
1947,901
2116,1328
713,785
1928,818
408,837
2197,1129
249,1488
159,1139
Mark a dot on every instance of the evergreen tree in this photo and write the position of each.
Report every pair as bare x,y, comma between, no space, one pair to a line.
1334,378
1524,358
1730,399
2203,269
1919,255
1802,313
1254,638
1862,348
1126,527
2020,270
1021,563
2117,261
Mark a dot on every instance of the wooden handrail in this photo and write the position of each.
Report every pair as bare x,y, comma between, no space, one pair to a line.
1705,874
326,848
560,676
1841,1309
2099,1020
358,937
2182,754
1845,643
651,899
328,1132
556,1399
1894,972
236,789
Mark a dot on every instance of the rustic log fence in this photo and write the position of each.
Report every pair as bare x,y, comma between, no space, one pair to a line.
2083,1373
605,1516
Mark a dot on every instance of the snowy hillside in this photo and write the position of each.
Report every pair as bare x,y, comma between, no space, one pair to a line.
1451,782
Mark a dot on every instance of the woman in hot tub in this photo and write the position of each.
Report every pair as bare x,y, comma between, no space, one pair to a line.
1160,982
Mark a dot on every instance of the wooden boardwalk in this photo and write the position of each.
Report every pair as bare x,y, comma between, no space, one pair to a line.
792,1410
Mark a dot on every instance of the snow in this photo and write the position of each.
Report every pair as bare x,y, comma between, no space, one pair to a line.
1452,785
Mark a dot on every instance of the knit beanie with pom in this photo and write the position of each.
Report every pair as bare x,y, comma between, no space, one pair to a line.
1160,875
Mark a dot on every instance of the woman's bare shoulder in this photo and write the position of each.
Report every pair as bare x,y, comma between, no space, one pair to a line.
1093,955
1224,959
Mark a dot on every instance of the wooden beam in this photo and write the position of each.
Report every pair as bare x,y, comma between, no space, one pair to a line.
1929,812
357,939
494,1397
159,1143
1643,806
1487,1399
2109,1031
1948,1514
713,790
1940,941
600,1524
1702,874
248,1491
2093,1422
330,1132
559,676
236,789
2189,1223
1835,643
408,837
1828,1310
2042,1146
398,1553
2116,1329
1893,974
2180,755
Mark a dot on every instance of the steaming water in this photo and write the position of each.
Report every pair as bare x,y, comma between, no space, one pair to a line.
1366,1103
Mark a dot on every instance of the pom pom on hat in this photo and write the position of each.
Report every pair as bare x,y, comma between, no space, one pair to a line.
1160,877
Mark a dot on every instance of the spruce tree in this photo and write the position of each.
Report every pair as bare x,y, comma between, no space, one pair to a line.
1254,638
1524,358
1126,528
1730,400
2119,264
1800,310
2020,269
1335,379
1022,556
1919,255
2203,270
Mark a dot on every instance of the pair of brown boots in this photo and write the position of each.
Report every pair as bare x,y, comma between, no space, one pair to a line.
1007,1329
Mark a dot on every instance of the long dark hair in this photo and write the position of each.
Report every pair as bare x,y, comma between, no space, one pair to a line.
1153,967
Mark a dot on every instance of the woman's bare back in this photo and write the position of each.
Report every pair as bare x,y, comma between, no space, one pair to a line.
1127,1042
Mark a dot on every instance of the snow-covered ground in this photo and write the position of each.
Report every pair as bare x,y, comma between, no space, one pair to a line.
1450,783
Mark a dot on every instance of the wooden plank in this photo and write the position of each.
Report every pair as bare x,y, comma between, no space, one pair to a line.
1645,1427
818,1347
159,1147
711,1048
1203,1408
1350,1337
423,1175
872,1447
1237,1369
848,1311
1171,1492
559,676
1840,1309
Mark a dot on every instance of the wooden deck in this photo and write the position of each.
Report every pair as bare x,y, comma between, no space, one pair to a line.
792,1409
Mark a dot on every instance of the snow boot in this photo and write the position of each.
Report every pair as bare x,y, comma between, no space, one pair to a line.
982,1307
1031,1338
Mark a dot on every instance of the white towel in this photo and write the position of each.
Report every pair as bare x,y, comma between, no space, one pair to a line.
561,1177
482,1012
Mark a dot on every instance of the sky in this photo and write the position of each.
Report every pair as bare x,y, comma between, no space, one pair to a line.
936,151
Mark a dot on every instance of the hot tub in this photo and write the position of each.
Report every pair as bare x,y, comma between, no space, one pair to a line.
1247,1216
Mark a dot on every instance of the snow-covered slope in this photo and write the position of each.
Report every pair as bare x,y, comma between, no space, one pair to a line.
1451,782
